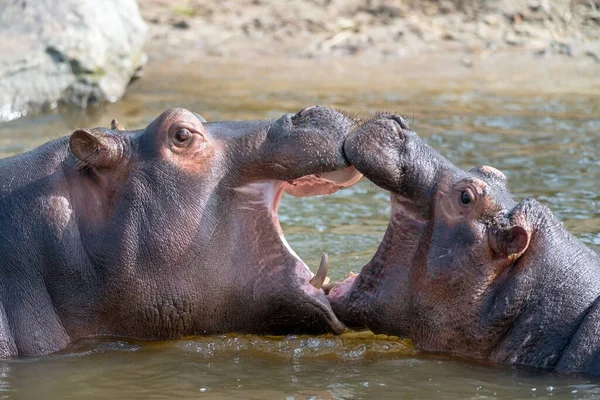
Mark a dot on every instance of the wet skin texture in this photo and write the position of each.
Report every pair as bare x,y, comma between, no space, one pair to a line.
163,232
463,268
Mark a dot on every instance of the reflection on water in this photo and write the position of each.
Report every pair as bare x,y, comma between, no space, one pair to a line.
545,143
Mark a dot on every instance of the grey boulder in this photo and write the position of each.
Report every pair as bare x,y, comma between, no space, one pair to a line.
76,52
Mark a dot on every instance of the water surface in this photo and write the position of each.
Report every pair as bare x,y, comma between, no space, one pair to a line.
544,137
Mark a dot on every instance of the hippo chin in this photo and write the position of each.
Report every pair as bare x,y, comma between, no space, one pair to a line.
164,232
464,269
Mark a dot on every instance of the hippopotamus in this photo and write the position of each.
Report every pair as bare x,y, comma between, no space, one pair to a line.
463,268
164,232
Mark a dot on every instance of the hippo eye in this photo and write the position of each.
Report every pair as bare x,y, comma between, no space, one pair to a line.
182,135
465,197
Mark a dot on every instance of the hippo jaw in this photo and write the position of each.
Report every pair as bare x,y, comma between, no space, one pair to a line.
378,298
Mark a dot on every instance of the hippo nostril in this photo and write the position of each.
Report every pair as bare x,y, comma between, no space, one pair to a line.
397,128
303,112
401,121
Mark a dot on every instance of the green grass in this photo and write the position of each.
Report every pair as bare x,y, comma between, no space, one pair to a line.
184,11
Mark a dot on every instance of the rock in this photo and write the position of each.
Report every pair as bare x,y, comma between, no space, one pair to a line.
467,61
562,48
512,39
447,7
592,55
493,20
181,24
589,50
67,52
593,16
543,5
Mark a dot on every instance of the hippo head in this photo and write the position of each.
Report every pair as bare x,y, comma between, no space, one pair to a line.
180,218
453,236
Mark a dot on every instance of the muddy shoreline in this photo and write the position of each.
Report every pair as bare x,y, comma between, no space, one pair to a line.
467,33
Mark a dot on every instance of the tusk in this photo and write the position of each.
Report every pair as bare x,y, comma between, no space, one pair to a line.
319,278
116,126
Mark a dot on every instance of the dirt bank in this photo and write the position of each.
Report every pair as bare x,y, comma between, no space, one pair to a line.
471,30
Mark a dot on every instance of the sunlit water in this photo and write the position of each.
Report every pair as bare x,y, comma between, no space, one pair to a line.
547,145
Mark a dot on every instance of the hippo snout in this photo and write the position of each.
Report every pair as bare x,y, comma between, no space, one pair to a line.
385,132
377,148
312,137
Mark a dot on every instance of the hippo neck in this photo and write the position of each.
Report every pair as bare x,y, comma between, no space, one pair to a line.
40,251
387,271
544,299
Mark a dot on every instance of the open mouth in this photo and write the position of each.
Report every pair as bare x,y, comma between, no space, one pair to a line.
262,195
311,185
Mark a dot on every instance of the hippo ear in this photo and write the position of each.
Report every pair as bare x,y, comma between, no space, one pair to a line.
512,242
490,173
116,126
96,149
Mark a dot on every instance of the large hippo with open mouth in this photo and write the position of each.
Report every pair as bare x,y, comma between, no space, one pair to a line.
463,268
164,232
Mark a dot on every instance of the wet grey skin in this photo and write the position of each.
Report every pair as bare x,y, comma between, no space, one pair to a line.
164,232
464,269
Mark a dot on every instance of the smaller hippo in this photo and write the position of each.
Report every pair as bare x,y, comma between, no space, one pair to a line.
464,269
164,232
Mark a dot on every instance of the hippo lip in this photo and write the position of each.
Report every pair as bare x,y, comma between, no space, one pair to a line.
321,184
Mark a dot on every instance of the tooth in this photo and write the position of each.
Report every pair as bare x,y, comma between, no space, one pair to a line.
319,278
328,286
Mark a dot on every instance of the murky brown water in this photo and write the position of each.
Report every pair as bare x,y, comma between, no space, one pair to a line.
541,133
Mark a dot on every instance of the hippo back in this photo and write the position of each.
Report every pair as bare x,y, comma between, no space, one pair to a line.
33,220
